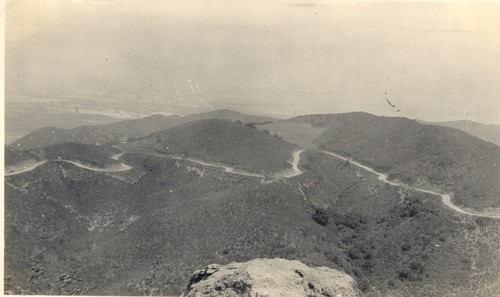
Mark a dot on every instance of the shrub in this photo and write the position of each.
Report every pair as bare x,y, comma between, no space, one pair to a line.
417,267
320,217
406,247
403,275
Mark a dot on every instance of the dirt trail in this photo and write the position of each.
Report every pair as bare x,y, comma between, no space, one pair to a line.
295,165
446,198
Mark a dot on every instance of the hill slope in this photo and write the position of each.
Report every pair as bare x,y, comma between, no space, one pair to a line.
13,156
490,133
84,154
428,156
88,154
221,141
121,131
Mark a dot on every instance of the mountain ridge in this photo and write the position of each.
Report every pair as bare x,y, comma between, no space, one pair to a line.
122,131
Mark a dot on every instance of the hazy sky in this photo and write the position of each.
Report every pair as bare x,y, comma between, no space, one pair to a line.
435,61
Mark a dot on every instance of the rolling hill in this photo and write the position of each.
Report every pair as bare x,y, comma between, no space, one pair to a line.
221,141
122,131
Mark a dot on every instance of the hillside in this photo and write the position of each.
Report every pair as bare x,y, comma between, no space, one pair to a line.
144,231
92,155
122,131
221,141
428,156
13,156
490,133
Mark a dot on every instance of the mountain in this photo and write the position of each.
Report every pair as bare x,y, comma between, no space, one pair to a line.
490,133
122,131
221,141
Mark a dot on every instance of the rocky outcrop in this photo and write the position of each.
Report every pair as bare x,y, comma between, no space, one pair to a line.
270,277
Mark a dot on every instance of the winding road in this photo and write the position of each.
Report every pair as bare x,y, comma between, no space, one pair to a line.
446,198
295,164
123,167
295,171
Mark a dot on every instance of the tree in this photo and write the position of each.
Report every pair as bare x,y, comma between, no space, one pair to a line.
250,124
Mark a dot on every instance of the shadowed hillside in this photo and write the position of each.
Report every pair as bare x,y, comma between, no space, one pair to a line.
122,131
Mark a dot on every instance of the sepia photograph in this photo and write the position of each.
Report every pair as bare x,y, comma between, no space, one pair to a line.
251,148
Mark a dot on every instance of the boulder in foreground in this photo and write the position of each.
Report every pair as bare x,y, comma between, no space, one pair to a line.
270,277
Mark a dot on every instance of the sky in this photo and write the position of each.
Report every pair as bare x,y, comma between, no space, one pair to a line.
435,61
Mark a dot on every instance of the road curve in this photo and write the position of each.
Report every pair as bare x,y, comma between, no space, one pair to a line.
228,169
25,169
112,168
446,198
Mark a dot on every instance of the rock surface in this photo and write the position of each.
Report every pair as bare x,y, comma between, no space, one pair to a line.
270,277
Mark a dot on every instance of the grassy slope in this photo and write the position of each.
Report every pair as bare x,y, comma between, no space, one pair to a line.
425,155
144,231
222,141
